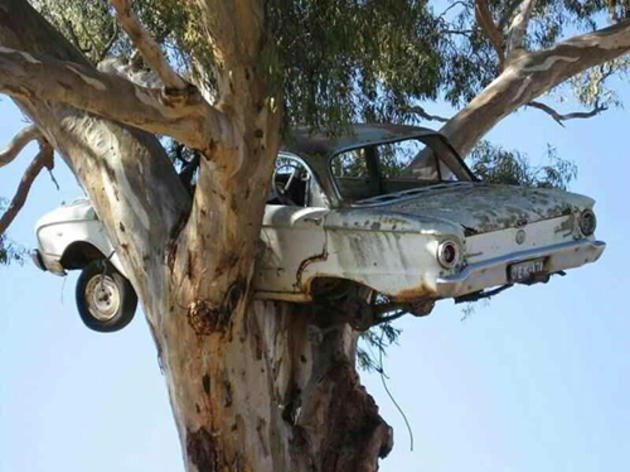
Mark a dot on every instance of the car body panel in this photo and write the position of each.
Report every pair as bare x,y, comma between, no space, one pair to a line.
70,224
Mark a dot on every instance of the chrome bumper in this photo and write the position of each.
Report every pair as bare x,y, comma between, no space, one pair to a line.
494,272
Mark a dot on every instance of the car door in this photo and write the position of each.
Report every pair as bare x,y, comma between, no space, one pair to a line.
292,232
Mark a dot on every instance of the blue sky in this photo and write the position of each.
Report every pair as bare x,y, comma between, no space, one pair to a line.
537,379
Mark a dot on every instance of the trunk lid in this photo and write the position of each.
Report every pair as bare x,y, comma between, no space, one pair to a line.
481,207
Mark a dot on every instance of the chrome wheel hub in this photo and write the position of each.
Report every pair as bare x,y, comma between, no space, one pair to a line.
102,297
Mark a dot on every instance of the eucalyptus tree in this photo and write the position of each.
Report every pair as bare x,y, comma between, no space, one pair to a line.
112,86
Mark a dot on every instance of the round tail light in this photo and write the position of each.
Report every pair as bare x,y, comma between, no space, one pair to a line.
448,254
588,222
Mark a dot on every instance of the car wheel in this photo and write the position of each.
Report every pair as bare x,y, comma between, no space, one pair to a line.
105,299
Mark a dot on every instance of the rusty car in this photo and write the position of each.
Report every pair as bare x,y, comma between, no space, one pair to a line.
391,209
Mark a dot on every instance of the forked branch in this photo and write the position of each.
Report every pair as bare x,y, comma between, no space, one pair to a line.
561,118
486,23
146,45
19,142
190,119
518,28
43,159
421,112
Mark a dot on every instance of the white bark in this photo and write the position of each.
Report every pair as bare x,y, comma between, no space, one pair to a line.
518,28
146,45
529,76
19,142
191,120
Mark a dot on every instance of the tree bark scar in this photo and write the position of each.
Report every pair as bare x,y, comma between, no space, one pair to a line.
233,296
171,247
189,266
201,450
205,381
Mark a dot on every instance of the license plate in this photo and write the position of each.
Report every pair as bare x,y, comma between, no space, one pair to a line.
523,271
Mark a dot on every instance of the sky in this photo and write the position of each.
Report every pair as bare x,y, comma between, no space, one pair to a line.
538,378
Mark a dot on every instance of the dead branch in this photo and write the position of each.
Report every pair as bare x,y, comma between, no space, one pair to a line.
451,6
19,141
43,159
518,28
561,118
108,45
146,44
187,118
486,23
420,111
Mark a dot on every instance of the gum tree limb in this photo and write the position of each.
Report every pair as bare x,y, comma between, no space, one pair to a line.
44,159
486,23
150,50
560,118
189,118
19,142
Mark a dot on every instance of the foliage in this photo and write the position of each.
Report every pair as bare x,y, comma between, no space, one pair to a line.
498,165
373,343
9,250
332,61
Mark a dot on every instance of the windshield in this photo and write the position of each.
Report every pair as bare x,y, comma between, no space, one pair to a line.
384,168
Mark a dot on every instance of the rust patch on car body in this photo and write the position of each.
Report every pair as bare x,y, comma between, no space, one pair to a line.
304,264
422,291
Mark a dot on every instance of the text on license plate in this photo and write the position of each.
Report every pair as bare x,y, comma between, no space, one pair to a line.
522,271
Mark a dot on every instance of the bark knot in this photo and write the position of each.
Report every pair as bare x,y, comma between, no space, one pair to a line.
205,318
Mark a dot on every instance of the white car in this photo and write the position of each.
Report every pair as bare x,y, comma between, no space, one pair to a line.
375,209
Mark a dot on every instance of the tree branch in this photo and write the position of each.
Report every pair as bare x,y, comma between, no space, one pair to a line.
43,159
147,46
518,28
560,118
188,119
529,76
110,42
418,110
19,142
486,23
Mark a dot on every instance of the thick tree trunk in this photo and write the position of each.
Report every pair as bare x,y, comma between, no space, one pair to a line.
275,390
254,386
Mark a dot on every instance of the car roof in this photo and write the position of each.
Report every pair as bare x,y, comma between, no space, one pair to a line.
305,141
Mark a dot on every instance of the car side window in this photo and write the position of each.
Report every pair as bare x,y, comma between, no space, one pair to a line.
293,184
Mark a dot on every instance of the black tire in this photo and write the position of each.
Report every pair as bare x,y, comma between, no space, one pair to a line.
105,299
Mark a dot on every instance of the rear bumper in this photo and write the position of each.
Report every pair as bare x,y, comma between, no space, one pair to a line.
494,272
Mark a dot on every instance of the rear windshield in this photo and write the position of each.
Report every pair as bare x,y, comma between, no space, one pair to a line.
384,168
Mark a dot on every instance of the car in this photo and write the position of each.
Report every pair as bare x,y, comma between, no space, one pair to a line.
390,209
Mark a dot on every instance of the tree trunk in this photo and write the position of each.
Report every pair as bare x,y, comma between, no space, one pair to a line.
275,390
254,386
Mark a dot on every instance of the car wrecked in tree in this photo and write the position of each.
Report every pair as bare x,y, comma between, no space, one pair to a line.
389,211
